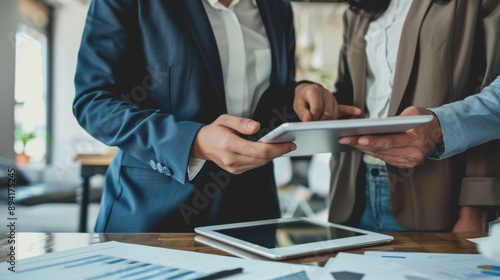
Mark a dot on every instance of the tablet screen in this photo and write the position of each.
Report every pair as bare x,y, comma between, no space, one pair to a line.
287,233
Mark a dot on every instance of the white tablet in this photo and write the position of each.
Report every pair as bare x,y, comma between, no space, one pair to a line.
292,237
322,136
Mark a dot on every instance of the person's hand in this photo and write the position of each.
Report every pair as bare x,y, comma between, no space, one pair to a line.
470,219
402,150
313,102
220,142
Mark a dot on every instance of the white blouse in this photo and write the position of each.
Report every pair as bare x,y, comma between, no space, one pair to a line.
382,45
245,54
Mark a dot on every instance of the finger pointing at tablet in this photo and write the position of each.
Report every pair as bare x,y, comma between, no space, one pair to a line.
346,110
313,103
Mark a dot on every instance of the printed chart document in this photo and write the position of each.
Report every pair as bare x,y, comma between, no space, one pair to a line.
410,266
356,267
115,260
444,266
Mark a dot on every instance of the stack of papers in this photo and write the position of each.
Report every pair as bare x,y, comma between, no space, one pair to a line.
490,246
115,260
410,266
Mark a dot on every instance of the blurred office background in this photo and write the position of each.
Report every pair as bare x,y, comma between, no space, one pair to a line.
40,137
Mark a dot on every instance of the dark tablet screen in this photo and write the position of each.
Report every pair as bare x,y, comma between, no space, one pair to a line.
287,233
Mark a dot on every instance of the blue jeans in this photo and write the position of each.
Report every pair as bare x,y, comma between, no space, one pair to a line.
378,215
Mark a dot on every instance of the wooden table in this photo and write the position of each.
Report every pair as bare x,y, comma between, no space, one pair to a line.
92,164
34,244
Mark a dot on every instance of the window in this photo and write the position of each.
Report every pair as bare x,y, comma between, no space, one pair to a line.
30,112
319,30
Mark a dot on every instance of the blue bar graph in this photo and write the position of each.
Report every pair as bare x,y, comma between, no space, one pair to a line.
57,264
394,257
89,262
119,272
180,275
120,268
160,273
148,269
116,261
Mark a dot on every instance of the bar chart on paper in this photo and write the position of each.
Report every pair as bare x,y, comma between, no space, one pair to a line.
490,270
114,261
445,266
469,272
108,267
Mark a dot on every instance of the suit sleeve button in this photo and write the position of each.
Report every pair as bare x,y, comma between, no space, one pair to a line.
153,164
167,171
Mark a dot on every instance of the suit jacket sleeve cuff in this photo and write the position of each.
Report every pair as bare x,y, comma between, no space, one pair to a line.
480,191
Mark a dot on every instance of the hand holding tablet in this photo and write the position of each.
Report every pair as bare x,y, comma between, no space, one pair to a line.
322,136
405,150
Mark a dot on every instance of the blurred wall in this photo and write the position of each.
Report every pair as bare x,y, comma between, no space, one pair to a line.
69,139
319,30
8,27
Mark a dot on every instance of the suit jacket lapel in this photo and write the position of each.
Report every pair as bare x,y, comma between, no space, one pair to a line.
196,18
407,51
274,29
357,54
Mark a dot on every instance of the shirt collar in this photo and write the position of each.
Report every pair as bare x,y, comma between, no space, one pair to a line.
213,3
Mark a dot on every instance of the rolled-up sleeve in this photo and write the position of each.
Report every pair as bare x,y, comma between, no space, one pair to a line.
470,122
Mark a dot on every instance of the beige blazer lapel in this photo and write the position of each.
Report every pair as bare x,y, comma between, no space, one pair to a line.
357,55
407,51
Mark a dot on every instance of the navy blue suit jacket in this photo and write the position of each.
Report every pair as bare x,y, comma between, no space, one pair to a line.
148,78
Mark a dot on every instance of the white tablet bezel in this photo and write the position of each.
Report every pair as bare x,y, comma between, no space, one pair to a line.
369,238
322,136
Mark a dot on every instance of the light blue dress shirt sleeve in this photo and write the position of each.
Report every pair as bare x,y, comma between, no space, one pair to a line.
469,122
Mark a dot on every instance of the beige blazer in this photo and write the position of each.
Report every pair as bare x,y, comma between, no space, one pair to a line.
447,51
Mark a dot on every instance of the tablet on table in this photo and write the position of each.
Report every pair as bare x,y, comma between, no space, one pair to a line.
291,237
